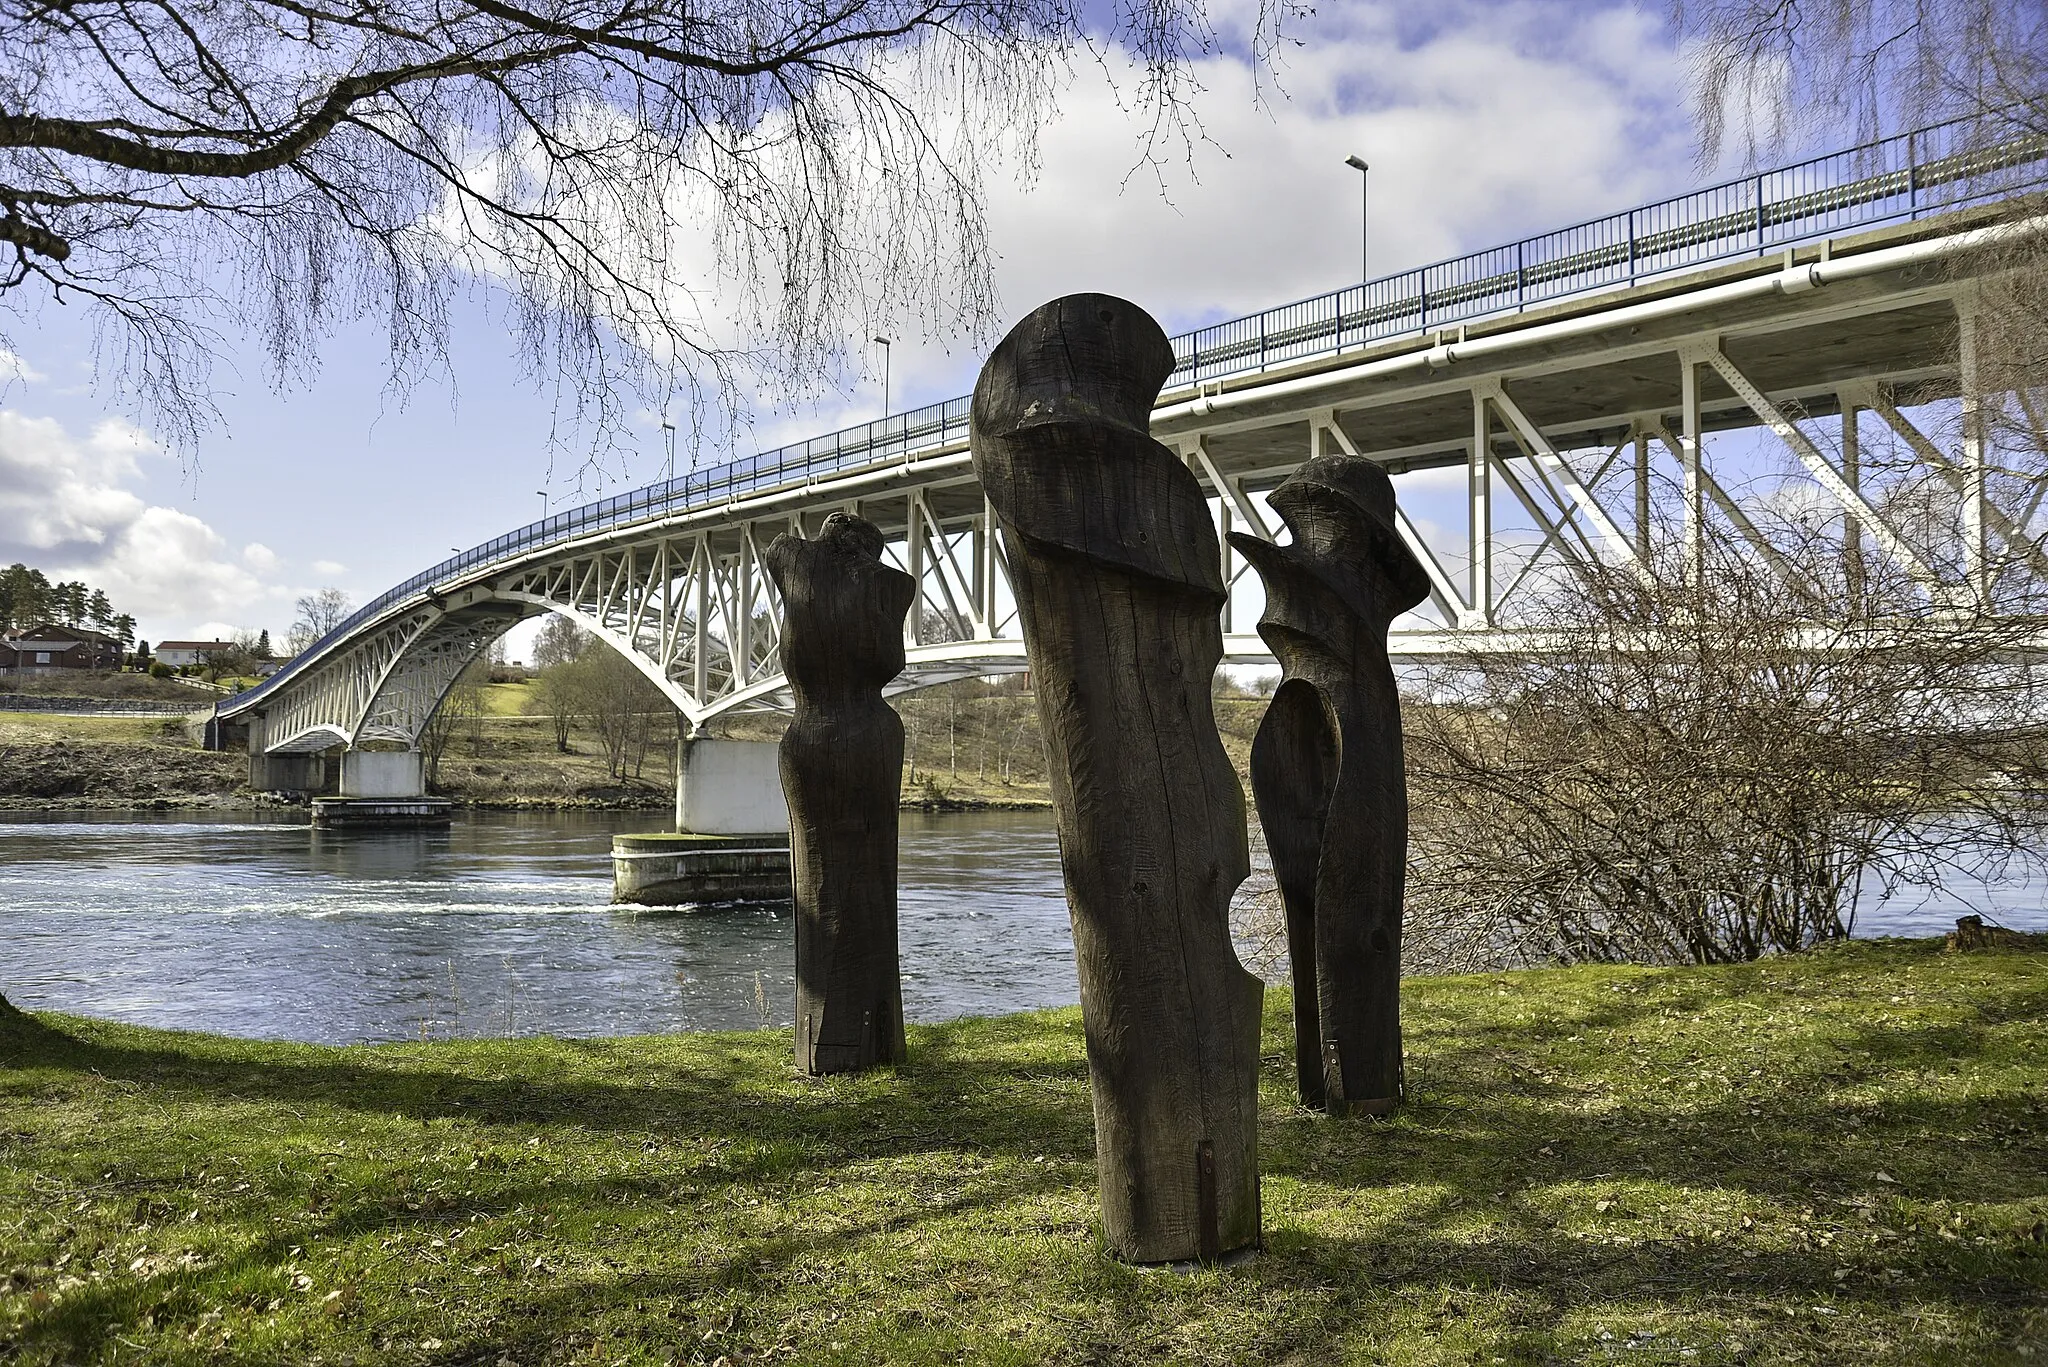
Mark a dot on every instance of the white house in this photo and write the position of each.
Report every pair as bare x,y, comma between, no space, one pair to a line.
179,653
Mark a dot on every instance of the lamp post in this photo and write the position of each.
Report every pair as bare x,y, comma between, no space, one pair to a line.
668,436
1358,164
543,503
884,341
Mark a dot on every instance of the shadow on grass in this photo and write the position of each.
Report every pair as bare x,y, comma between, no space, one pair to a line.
1478,1194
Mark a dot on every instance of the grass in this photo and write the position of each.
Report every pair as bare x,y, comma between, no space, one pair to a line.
1835,1158
32,728
507,699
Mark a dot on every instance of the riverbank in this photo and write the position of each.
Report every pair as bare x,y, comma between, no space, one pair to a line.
53,762
1837,1157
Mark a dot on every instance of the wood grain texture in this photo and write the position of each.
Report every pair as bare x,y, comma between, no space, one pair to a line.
842,767
1327,773
1115,565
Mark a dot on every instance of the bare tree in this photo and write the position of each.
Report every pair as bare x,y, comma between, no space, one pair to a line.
1715,768
279,169
559,642
625,709
555,696
1782,67
1765,71
461,709
319,613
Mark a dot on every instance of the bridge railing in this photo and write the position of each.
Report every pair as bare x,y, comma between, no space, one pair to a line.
1930,169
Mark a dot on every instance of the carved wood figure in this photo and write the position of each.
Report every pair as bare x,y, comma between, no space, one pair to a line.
842,766
1115,565
1327,775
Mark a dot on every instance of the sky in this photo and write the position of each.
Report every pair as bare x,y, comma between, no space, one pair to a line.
1494,121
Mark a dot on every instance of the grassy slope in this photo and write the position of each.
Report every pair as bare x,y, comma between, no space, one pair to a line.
1591,1156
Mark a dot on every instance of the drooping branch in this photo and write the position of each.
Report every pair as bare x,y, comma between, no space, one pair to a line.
278,166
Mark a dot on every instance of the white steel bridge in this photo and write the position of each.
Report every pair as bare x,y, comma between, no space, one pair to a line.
1541,382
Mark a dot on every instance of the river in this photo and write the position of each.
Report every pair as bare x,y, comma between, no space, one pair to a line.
502,925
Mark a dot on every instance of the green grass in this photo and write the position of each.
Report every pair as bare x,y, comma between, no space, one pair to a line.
29,728
506,699
1834,1158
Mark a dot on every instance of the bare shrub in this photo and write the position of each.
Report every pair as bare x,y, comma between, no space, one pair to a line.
1714,767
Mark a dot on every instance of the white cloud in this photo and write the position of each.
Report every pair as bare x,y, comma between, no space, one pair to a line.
1497,121
66,509
329,569
14,369
260,558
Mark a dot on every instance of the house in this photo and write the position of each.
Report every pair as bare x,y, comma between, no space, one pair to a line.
178,654
47,648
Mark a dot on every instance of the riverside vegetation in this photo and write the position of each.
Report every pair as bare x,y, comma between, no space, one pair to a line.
1834,1157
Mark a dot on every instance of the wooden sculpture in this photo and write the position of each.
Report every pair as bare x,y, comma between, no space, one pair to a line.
842,766
1327,776
1114,562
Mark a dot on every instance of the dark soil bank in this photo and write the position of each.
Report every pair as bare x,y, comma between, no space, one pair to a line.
112,773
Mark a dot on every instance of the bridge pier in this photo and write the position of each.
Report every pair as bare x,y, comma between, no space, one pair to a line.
295,771
382,788
730,787
382,773
287,773
731,842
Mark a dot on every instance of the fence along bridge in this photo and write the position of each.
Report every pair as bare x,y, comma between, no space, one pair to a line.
1540,380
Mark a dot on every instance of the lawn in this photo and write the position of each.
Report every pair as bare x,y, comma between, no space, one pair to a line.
38,728
1836,1158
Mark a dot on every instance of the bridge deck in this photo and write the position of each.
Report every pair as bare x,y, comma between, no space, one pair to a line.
653,566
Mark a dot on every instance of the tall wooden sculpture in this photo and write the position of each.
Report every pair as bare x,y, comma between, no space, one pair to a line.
1114,562
1327,775
842,766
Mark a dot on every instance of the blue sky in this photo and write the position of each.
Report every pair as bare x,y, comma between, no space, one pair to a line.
1492,121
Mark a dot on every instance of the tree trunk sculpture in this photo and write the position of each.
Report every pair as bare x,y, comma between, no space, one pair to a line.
1327,775
1114,562
842,766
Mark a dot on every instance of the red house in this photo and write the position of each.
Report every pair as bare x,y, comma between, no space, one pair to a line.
47,648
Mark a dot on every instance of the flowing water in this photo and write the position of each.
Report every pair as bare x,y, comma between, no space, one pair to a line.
503,925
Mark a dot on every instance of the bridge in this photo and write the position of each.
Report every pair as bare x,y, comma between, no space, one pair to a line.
1532,389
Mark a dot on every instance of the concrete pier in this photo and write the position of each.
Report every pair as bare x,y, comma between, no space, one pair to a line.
730,787
381,813
299,771
673,868
382,773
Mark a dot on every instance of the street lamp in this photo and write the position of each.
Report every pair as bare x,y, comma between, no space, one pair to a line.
884,341
543,503
668,434
1358,163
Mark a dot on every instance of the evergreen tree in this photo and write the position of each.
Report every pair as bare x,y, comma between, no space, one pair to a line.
99,610
263,644
71,601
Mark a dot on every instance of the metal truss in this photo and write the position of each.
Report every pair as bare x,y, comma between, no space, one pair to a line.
1579,442
385,687
697,612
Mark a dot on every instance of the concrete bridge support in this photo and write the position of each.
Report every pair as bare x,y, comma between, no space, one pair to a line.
294,772
382,773
731,841
730,787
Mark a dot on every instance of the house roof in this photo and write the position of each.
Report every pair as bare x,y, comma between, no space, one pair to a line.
194,645
53,632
